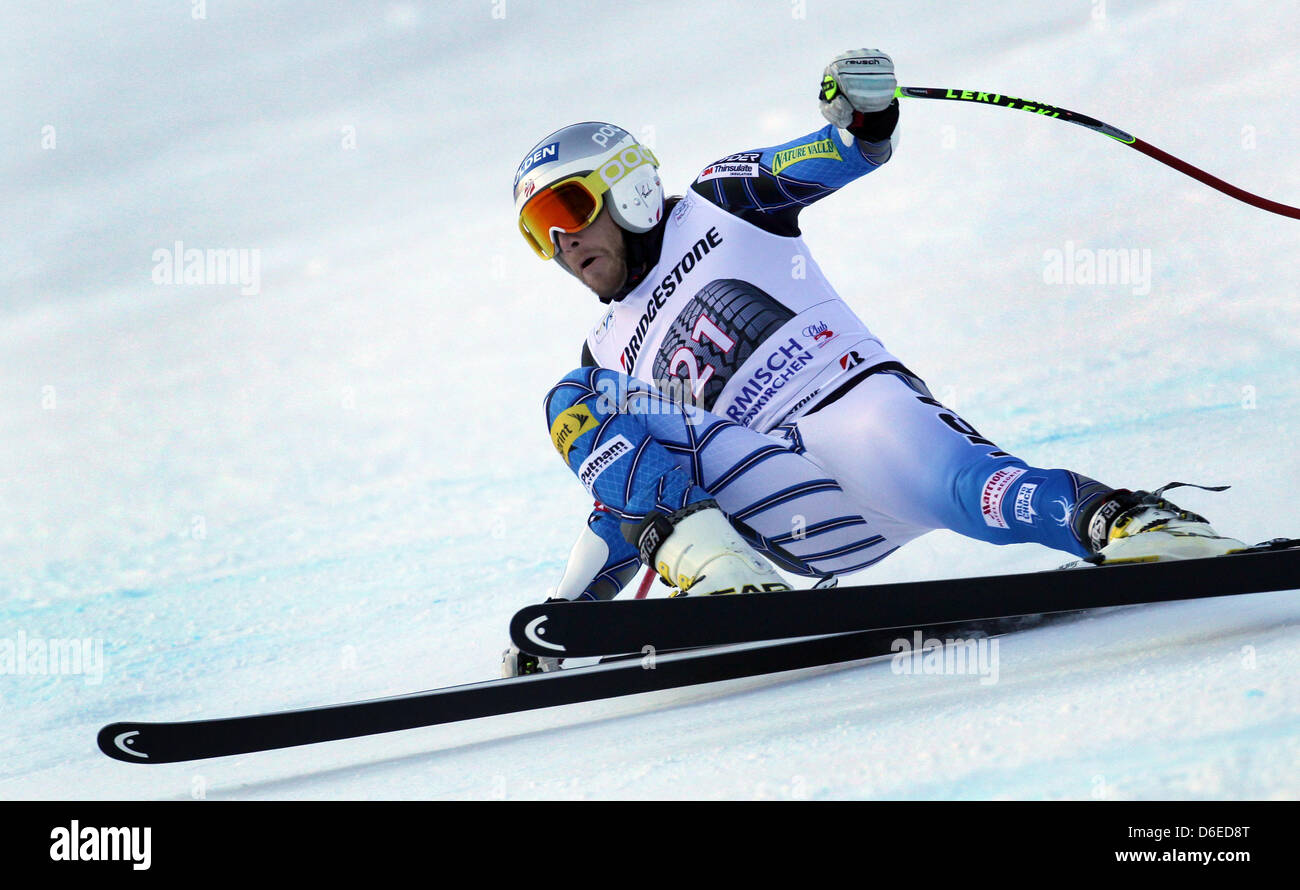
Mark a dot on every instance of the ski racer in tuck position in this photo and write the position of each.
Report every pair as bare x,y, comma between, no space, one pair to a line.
733,413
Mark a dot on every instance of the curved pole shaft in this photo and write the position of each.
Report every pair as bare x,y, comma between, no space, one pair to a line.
1106,130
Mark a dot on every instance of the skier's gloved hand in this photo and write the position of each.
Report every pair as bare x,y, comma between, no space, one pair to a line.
857,94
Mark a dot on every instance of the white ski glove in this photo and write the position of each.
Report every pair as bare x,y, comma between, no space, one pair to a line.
860,80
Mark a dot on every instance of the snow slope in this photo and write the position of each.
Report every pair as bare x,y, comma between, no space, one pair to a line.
340,487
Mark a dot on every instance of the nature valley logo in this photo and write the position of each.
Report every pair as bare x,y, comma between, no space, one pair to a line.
822,148
572,423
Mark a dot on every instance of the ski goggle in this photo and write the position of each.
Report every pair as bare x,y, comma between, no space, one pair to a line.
572,204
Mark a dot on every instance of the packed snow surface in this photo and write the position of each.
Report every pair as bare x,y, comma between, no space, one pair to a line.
337,485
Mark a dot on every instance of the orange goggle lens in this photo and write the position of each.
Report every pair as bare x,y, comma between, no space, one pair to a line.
568,206
573,204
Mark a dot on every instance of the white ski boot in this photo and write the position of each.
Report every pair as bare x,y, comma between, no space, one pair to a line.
518,664
1141,526
697,551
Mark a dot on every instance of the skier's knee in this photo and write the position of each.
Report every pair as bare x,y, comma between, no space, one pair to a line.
572,388
585,400
603,390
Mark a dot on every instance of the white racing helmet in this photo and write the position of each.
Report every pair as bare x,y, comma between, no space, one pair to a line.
566,178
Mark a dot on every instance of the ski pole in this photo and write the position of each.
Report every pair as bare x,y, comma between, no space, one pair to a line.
647,578
1105,129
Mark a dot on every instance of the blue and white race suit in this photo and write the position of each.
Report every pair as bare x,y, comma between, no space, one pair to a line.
734,371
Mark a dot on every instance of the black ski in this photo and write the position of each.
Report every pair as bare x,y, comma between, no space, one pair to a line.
585,628
200,739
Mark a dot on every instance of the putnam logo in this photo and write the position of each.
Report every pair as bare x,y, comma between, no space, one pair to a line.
598,461
788,157
572,423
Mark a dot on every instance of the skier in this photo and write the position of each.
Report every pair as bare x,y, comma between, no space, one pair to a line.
732,412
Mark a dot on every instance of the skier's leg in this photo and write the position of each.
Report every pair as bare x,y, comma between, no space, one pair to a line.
599,424
640,454
890,443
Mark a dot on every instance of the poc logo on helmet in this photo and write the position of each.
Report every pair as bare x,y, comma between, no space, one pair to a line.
602,136
624,163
